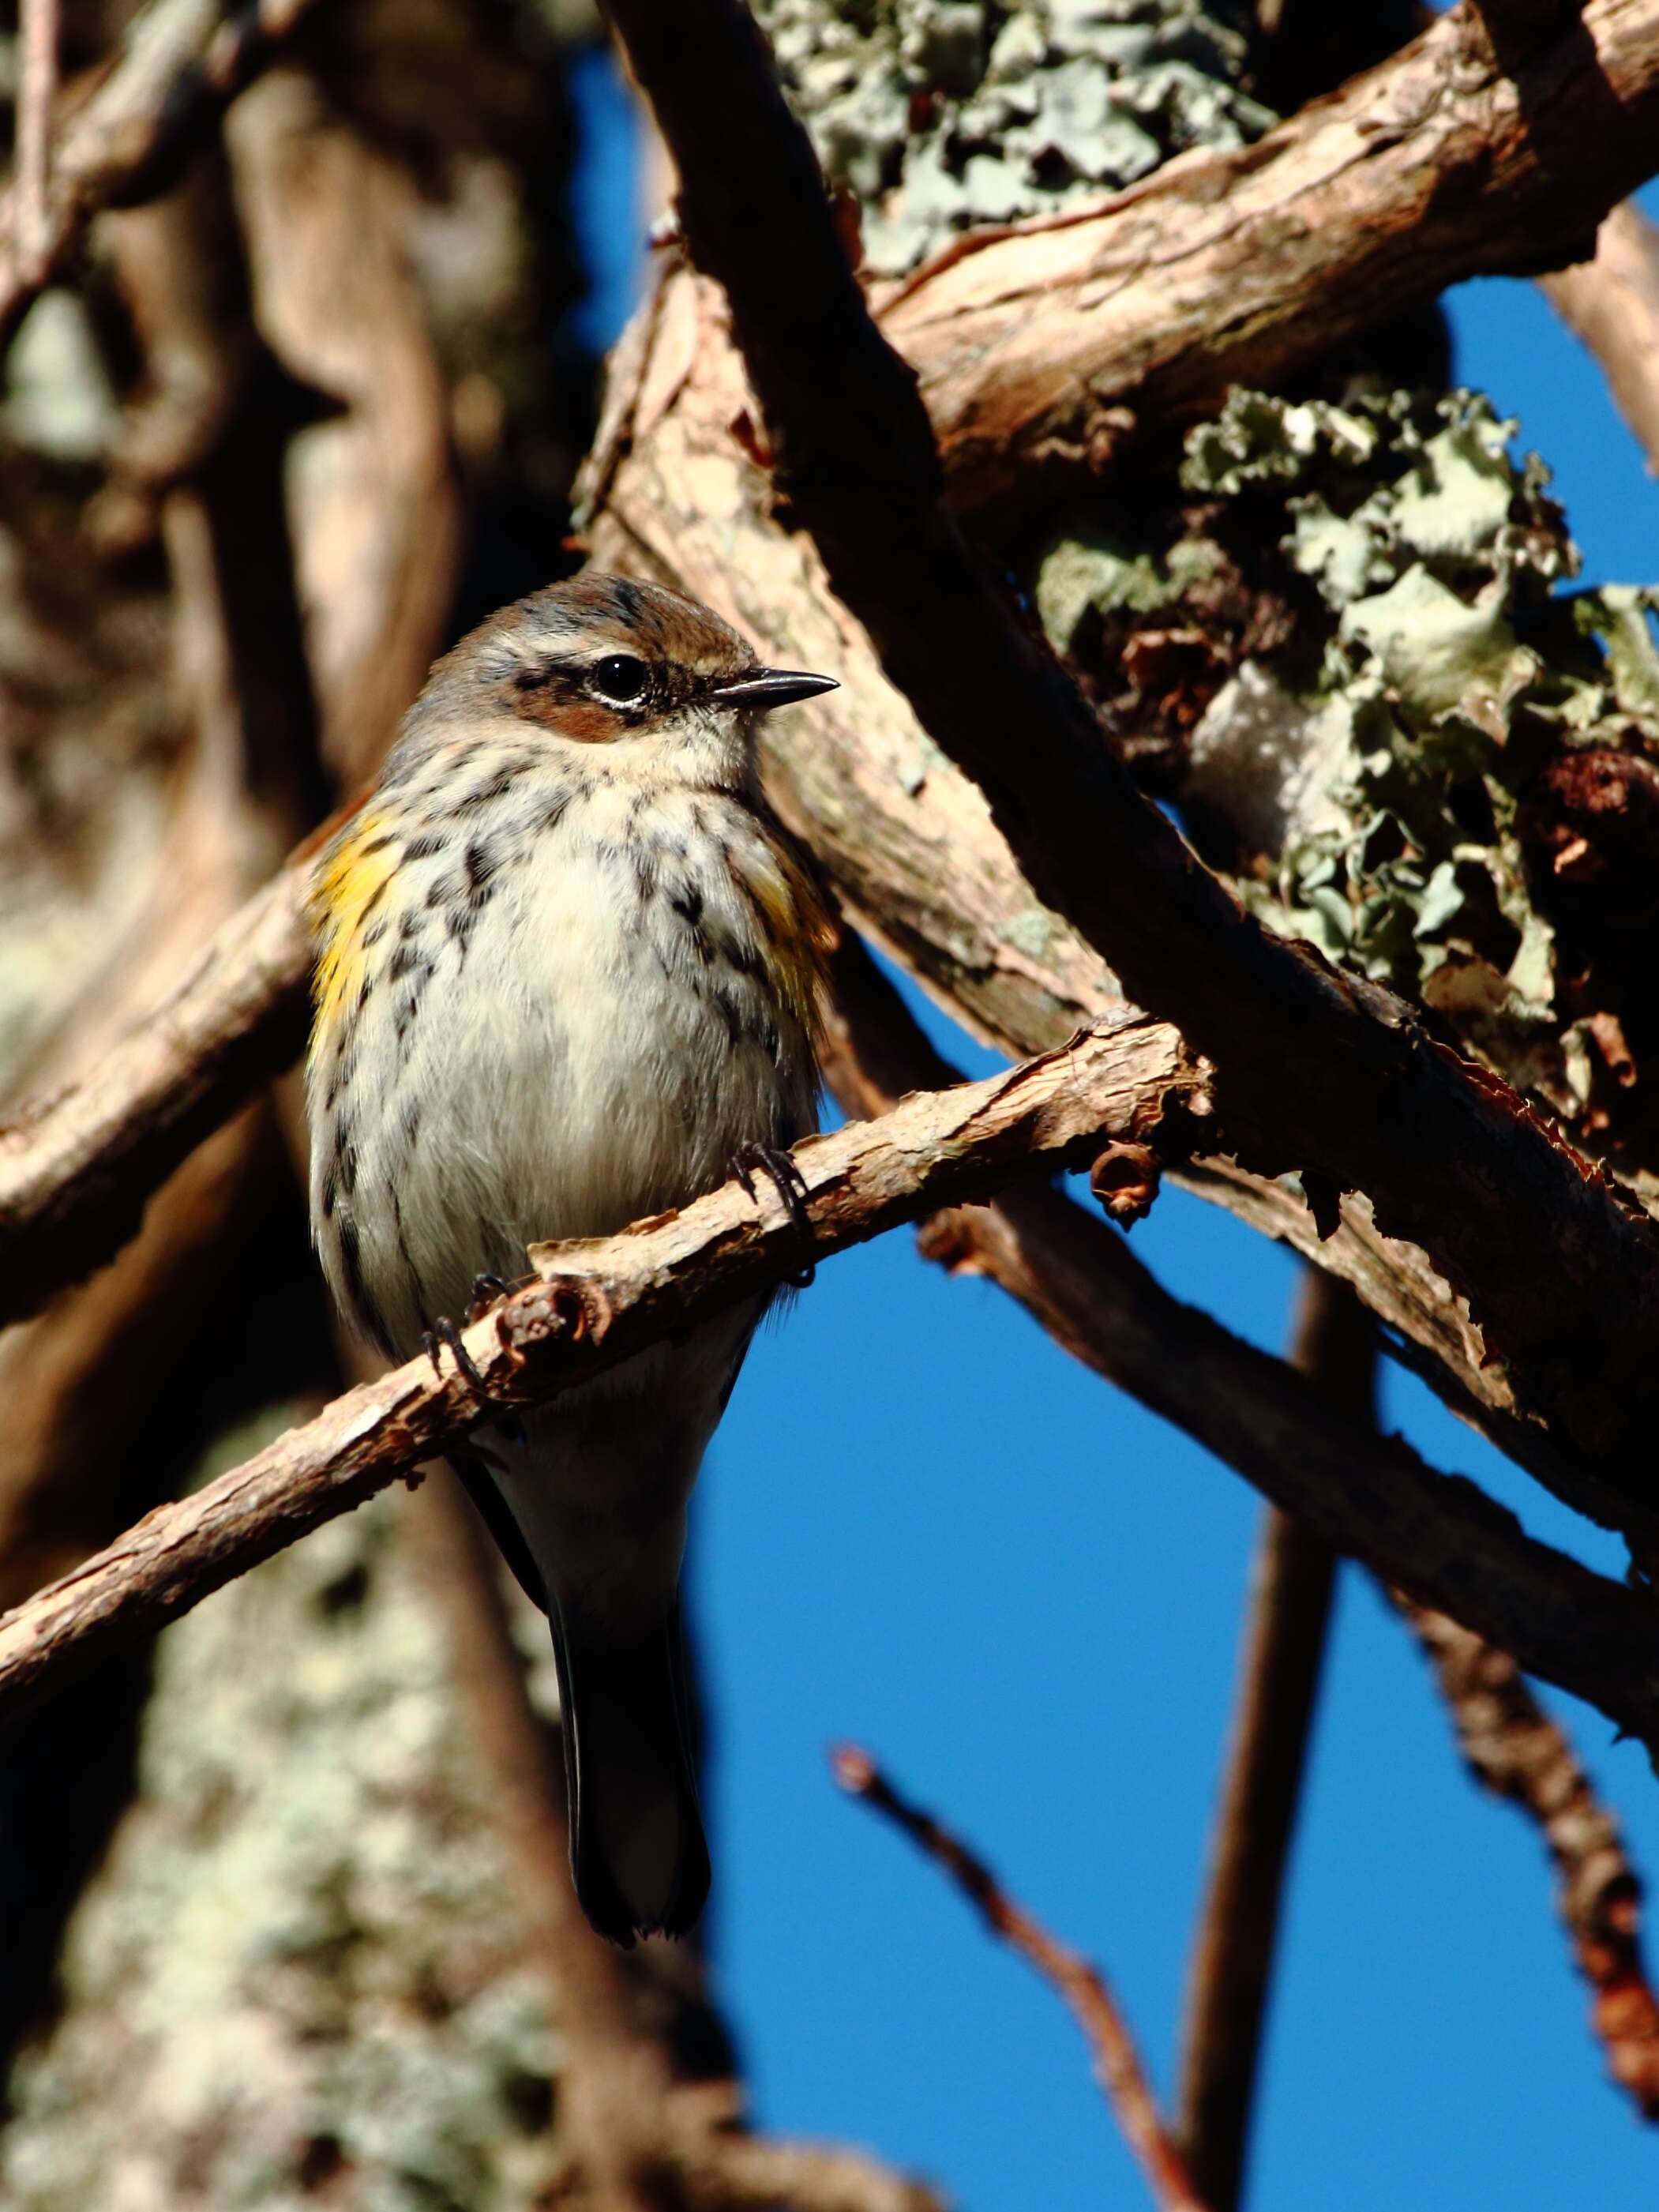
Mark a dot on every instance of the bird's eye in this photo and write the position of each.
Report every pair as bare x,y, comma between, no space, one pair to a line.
620,679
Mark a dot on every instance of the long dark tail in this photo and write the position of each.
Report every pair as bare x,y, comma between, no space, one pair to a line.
637,1853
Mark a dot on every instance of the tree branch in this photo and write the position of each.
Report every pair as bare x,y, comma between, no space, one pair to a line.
597,1302
1369,1497
76,1173
1028,1002
1117,2062
1612,303
181,63
1245,267
1283,1659
1320,1073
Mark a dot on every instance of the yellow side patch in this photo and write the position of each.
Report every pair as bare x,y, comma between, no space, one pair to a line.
350,882
800,929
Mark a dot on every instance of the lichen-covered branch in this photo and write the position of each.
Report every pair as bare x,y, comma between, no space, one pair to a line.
598,1301
181,62
1244,266
1117,2062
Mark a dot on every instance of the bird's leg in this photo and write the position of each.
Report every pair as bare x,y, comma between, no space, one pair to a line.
443,1331
783,1173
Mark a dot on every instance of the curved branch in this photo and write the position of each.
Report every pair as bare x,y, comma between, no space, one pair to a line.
1084,1988
1611,304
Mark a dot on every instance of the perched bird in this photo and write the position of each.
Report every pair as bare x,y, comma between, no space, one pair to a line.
567,972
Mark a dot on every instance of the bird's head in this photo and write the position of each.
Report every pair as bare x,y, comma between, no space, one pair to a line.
603,662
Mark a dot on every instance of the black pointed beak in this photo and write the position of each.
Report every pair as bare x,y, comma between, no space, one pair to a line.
765,688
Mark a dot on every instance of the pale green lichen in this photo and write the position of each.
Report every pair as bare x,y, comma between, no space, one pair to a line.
1374,765
945,115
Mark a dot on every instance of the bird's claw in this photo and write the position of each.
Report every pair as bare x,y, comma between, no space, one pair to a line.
443,1331
782,1171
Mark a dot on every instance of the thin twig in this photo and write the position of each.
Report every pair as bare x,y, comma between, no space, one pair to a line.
1117,2062
1283,1659
37,90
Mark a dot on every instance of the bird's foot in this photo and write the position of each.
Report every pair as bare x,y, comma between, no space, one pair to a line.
443,1331
783,1172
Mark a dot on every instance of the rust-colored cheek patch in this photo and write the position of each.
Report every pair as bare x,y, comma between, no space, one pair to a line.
584,721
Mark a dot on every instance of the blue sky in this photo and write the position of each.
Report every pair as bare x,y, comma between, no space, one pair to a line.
924,1528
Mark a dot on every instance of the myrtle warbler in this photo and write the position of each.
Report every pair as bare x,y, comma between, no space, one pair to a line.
566,972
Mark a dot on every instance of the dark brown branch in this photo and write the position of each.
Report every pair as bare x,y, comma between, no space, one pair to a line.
1369,1497
1516,1750
1612,303
1266,1764
1117,2062
598,1302
181,62
1320,1073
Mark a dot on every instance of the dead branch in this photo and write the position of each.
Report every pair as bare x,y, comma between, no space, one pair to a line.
1279,1674
1612,303
1320,1073
1370,1497
1117,2062
595,1303
1516,1750
181,63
